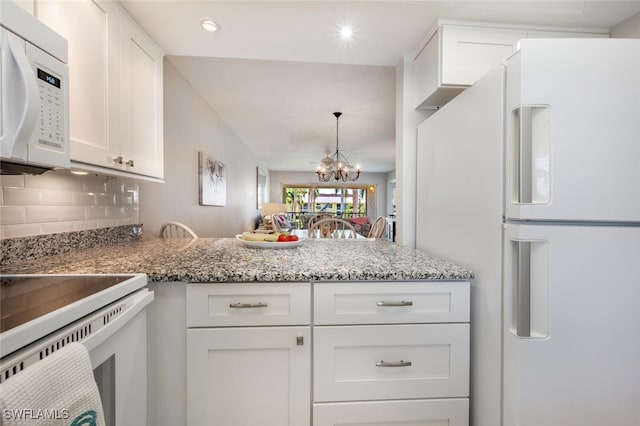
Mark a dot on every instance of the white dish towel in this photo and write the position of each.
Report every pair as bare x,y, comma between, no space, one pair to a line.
59,390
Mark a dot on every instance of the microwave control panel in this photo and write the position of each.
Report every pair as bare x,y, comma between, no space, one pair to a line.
51,123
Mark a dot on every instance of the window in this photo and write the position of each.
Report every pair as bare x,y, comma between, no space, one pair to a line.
339,201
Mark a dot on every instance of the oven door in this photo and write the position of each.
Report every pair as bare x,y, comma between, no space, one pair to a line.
116,339
119,361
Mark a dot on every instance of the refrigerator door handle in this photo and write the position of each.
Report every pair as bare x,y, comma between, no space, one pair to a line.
532,151
529,289
523,147
522,289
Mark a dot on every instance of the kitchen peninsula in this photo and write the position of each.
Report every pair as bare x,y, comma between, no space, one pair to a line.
329,331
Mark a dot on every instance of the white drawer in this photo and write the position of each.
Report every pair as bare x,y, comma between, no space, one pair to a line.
391,362
226,305
434,412
391,303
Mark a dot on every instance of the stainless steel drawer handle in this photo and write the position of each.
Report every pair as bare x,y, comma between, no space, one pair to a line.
400,363
248,305
400,303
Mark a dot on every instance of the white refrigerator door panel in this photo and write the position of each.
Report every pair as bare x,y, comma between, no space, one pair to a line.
459,218
571,294
572,130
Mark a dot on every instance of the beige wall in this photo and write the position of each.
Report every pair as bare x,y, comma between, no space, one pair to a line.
190,125
629,28
59,202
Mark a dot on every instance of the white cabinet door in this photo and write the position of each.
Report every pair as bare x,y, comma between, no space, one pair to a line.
571,346
356,363
115,73
249,376
456,57
91,27
141,101
470,52
434,412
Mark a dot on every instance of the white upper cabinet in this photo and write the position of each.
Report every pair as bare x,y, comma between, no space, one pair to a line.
453,56
140,101
467,53
115,87
91,28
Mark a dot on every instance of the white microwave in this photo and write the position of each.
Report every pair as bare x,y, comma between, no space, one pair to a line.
34,94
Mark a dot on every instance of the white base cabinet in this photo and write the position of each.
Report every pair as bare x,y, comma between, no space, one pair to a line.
248,376
391,353
379,353
248,354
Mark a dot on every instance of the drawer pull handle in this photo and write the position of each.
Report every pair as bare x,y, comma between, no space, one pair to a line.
400,303
400,363
248,305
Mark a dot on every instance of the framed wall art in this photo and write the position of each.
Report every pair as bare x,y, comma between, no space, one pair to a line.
213,181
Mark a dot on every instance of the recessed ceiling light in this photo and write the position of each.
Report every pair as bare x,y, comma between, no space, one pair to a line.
346,32
209,25
79,172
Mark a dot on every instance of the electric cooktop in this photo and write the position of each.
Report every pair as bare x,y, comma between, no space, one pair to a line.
27,297
33,305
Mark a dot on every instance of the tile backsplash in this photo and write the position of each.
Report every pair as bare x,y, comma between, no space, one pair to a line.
60,202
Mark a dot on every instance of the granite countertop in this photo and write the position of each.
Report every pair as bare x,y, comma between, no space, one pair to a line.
228,260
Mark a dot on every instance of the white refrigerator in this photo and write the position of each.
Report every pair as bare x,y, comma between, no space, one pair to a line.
531,177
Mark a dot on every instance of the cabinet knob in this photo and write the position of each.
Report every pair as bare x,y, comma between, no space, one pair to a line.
130,163
117,160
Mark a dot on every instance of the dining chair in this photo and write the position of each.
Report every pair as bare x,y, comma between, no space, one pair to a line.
332,228
176,230
378,228
317,217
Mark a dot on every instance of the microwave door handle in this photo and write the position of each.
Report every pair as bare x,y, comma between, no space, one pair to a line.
30,111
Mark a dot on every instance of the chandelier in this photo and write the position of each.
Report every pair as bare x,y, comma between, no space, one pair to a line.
337,166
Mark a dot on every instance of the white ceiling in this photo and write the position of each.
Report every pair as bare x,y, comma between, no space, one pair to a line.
276,71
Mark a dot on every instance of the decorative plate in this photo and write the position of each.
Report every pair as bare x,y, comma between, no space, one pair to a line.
270,244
